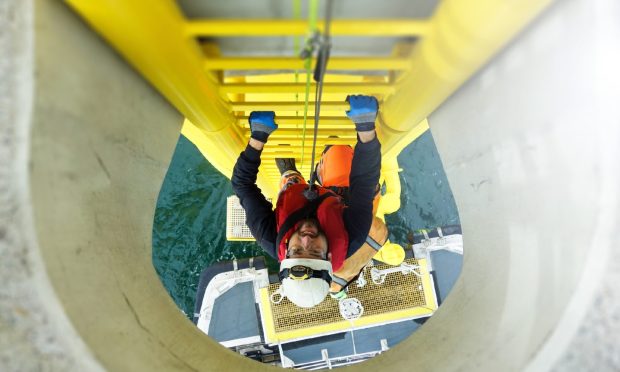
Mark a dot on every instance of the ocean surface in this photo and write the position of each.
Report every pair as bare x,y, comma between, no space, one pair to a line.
189,230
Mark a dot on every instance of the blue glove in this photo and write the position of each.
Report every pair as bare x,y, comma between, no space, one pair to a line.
363,112
262,124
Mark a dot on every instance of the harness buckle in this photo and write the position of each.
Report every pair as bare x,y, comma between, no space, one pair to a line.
300,272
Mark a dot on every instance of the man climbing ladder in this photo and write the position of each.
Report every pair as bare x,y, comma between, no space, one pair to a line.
314,237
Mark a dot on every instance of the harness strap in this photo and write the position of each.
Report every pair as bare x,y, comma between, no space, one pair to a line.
320,274
300,214
342,191
338,280
343,283
373,243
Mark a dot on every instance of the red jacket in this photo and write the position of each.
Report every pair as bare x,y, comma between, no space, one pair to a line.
328,213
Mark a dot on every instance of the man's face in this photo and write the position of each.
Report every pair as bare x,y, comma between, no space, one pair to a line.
308,241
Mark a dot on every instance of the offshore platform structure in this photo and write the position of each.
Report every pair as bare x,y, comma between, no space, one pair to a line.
179,57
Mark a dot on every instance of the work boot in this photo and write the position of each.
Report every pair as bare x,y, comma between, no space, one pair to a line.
286,164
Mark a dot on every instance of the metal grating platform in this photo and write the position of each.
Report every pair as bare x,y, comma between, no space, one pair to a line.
399,297
236,229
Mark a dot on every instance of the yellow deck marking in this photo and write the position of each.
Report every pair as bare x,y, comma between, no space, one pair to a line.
401,297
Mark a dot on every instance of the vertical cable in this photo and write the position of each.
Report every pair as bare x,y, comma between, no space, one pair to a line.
319,75
296,42
313,7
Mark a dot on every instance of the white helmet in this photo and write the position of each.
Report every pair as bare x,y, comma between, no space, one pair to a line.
305,281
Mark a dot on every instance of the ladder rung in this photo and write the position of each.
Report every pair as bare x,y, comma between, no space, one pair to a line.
320,144
296,150
288,106
296,134
296,122
271,88
278,27
294,63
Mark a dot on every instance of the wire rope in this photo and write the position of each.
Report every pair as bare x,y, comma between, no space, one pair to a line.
296,41
319,74
313,9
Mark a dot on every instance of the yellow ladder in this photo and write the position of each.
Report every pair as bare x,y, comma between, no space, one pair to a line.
169,51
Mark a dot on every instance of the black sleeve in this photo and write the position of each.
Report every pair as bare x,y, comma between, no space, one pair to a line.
363,180
260,216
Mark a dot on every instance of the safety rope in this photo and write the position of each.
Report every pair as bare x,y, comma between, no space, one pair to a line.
313,8
296,42
319,74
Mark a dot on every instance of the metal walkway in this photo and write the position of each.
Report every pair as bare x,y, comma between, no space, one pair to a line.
400,297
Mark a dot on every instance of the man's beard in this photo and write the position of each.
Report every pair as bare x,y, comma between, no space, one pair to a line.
310,224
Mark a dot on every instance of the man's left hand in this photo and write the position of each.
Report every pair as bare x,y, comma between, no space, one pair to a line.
363,112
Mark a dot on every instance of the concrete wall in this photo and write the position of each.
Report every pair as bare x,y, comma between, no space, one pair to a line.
35,333
31,317
528,148
102,139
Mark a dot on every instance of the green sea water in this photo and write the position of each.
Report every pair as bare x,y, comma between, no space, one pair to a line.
189,230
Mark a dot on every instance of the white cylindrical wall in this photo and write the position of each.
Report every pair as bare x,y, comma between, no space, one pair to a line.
528,146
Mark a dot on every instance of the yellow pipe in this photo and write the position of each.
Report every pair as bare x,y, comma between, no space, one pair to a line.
270,88
390,201
151,36
278,27
147,40
295,63
227,138
403,139
463,36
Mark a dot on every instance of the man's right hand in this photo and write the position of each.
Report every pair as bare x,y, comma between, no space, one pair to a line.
363,112
262,123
